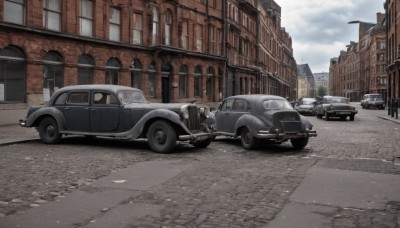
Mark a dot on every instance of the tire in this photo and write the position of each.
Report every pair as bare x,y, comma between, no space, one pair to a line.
203,144
247,139
317,115
299,143
161,137
48,131
352,117
326,116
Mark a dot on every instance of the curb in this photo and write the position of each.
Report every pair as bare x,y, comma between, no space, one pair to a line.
390,119
15,141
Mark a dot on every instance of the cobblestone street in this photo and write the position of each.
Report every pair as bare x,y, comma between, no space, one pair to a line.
220,186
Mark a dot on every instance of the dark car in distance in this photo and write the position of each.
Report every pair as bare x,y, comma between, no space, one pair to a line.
259,119
306,106
334,106
119,112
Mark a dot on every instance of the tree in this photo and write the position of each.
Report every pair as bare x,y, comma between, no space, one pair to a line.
321,91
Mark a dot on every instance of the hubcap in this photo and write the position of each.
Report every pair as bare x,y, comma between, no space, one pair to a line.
50,131
160,136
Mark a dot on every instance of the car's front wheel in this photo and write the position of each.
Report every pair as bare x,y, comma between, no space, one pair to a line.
48,131
299,143
161,137
247,139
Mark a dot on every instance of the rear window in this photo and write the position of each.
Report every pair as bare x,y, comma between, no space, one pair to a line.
277,105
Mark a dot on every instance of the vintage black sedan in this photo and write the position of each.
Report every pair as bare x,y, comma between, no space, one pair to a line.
334,106
262,118
119,112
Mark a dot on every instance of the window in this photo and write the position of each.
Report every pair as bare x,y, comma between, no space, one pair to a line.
199,38
12,76
197,81
53,73
112,72
211,33
14,11
185,35
86,18
152,80
183,80
137,28
168,26
136,74
240,105
85,70
115,24
154,32
210,84
104,98
78,98
219,42
52,14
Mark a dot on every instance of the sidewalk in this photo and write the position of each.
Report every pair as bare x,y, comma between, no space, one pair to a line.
14,133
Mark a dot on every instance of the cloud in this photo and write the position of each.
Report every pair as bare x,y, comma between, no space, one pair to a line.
320,29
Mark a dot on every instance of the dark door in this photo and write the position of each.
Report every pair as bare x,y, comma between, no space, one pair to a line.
76,111
104,112
165,89
222,117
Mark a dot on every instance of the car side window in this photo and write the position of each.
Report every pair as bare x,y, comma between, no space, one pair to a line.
60,100
78,98
227,105
104,98
239,105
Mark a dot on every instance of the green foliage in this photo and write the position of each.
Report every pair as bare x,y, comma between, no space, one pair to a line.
321,91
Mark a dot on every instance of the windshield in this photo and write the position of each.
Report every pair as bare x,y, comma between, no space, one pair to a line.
307,102
130,96
375,98
338,100
277,105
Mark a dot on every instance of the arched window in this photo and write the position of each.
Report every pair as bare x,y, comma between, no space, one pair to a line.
12,75
197,81
53,73
112,71
168,27
85,70
136,74
210,84
183,81
152,80
154,32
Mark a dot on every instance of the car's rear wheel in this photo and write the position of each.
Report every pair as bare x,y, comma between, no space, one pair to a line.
352,117
203,143
299,143
161,137
343,118
48,131
247,139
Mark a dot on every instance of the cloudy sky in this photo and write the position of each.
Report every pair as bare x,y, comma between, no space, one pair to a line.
320,29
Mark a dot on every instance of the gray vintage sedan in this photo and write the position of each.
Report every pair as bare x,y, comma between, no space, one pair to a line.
119,112
262,118
333,106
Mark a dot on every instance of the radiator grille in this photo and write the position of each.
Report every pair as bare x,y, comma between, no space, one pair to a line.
193,122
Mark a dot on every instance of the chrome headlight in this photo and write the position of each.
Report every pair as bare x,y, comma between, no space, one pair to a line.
204,111
184,114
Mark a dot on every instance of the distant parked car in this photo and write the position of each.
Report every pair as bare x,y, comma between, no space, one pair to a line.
373,101
262,118
331,106
119,112
306,106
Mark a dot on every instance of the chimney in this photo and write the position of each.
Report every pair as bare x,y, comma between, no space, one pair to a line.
380,17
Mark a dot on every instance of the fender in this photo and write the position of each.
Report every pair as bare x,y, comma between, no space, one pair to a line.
305,123
168,115
46,111
252,122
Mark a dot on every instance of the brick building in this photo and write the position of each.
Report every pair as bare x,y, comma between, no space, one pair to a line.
360,69
392,23
175,51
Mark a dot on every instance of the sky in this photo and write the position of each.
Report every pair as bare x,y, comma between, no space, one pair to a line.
320,29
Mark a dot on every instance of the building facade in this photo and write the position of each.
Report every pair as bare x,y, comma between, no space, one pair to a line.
392,23
361,68
306,81
174,51
321,81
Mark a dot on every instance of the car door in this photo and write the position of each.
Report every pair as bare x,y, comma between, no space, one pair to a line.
104,112
222,116
239,108
76,111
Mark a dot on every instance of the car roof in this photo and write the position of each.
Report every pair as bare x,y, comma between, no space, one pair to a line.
334,97
113,88
256,97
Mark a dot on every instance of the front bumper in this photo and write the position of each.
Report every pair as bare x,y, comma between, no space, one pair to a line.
282,136
195,137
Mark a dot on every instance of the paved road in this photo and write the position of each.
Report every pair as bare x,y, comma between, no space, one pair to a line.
106,183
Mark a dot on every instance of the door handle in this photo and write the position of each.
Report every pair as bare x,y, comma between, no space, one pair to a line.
66,108
93,109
